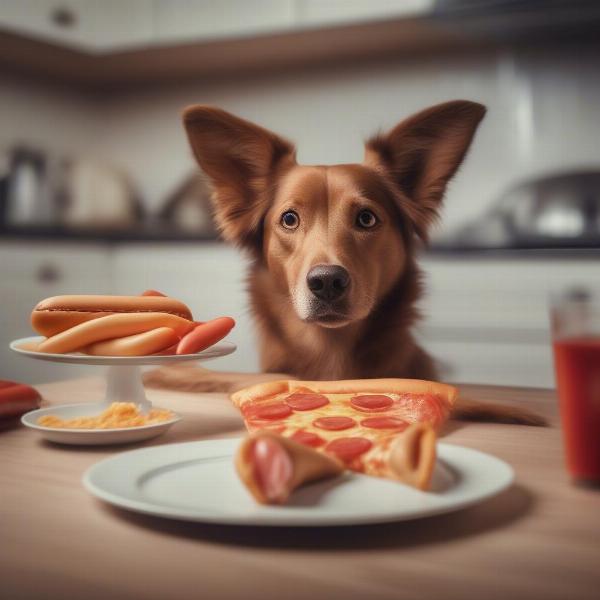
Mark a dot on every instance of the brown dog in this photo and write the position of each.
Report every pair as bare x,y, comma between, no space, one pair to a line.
334,281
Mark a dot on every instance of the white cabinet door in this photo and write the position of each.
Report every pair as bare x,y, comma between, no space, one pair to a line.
487,320
180,20
32,271
208,277
337,12
97,25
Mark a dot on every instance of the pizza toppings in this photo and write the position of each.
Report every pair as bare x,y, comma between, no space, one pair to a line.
273,468
384,423
271,412
371,402
304,401
348,448
382,428
308,438
334,423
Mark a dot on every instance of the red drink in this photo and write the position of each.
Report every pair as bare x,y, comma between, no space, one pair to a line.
577,366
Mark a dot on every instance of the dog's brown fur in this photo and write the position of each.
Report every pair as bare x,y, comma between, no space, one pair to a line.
402,181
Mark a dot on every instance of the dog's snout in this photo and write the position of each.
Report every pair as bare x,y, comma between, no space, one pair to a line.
328,282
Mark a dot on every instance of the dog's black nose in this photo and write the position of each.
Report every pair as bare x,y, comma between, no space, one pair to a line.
328,282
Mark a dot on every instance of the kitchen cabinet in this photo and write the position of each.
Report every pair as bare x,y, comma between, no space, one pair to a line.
208,277
486,320
115,24
184,20
32,271
336,12
95,26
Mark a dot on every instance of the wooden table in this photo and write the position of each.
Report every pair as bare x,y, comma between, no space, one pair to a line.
540,539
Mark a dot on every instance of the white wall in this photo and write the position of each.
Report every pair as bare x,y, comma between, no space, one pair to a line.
53,118
542,116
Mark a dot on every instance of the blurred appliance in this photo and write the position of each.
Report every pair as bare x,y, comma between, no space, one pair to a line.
28,198
94,195
189,208
555,211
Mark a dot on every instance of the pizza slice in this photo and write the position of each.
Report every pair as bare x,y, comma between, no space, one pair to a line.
379,427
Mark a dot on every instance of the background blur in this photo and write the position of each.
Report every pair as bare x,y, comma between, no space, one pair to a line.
99,193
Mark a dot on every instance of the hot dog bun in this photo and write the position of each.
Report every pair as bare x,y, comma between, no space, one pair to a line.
112,326
59,313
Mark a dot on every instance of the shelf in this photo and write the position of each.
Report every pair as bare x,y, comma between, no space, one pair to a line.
226,57
137,235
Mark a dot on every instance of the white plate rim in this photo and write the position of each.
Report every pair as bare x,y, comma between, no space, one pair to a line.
229,445
221,348
49,409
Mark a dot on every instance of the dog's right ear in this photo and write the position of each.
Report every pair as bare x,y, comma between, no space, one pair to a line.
242,160
422,153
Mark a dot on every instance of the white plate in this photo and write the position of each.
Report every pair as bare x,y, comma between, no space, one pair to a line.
20,346
196,481
91,437
123,384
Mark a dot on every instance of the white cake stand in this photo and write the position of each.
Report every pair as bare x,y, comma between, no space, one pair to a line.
123,384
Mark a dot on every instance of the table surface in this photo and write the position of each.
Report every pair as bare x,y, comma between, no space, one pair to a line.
539,539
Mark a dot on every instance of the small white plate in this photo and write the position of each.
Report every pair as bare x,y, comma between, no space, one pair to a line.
123,384
196,481
91,437
24,346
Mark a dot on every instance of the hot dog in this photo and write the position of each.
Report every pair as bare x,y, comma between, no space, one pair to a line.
272,466
110,327
139,344
205,335
16,399
59,313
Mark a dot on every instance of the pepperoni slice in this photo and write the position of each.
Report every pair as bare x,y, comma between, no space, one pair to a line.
369,402
334,423
272,412
302,401
308,438
349,448
384,423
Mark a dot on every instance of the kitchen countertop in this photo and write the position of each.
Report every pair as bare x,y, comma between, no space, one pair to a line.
168,233
539,539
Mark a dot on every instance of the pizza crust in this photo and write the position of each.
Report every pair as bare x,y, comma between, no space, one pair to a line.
347,386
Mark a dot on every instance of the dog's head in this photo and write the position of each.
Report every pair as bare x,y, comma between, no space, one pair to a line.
336,238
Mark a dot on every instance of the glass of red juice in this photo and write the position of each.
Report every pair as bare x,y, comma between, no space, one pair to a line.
576,342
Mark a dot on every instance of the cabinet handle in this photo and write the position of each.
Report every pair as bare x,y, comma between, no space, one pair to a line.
48,273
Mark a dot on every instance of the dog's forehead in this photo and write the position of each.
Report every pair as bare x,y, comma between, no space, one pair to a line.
324,184
355,181
303,183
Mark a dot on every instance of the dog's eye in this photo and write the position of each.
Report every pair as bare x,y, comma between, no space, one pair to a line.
366,219
290,219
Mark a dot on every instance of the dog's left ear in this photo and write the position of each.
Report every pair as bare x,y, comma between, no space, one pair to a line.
423,152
